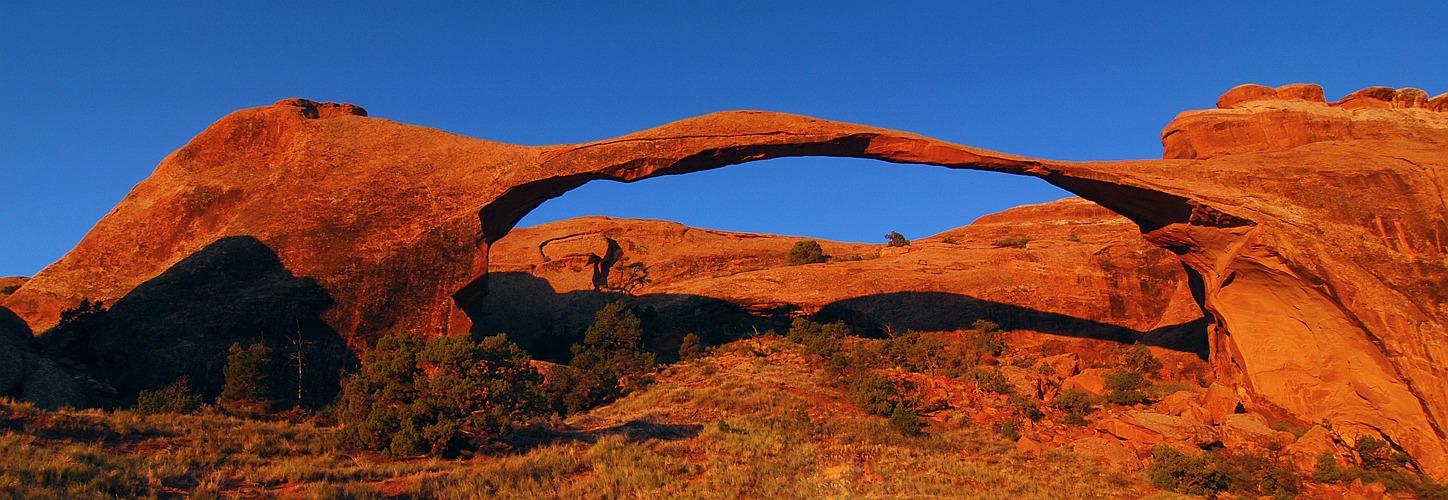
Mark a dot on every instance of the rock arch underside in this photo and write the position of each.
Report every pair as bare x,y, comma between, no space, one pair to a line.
1314,232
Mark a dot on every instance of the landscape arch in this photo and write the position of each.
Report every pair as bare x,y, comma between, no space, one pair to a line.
1315,233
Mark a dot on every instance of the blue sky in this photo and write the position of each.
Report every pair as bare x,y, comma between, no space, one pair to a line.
95,94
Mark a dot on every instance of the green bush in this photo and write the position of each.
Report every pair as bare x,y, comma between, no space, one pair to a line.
1138,358
992,380
609,363
9,289
873,393
825,340
1010,429
897,239
1127,388
1377,454
806,252
916,352
437,396
248,386
1011,242
1326,470
1214,472
986,340
1073,401
1025,407
905,422
691,347
176,397
1193,475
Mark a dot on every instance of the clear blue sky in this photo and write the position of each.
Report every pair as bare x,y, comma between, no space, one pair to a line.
95,94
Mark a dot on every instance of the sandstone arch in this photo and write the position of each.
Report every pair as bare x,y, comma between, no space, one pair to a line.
1316,231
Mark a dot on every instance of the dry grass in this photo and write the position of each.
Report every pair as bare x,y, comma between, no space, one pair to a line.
755,421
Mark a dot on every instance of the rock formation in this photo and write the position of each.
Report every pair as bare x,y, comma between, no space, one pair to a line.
1314,232
549,280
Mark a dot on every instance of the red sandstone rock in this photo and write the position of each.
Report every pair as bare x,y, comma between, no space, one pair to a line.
1028,446
1317,233
1109,451
1221,401
1245,93
1090,381
1062,365
1309,92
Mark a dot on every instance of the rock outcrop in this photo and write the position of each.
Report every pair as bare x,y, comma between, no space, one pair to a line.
1315,233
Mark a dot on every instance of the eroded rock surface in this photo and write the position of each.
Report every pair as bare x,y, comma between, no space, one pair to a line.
1315,231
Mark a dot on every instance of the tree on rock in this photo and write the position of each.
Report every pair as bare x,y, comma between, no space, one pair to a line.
806,252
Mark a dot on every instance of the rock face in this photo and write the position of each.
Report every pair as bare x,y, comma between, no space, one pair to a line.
1315,232
548,280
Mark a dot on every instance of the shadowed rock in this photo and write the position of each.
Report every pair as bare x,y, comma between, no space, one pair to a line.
1315,232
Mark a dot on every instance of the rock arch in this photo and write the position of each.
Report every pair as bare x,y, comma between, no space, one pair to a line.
1315,232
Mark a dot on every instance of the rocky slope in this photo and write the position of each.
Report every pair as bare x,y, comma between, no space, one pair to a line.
1315,232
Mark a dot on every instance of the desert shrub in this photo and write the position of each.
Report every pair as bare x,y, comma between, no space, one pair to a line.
434,396
1214,472
1073,237
985,339
917,352
897,239
1075,419
692,347
806,252
824,340
9,289
1025,407
1010,429
992,380
905,422
1011,242
1138,358
873,393
1127,388
1073,401
1326,470
1194,475
176,397
609,363
248,386
1376,454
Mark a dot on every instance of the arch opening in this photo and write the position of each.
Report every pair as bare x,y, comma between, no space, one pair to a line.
541,293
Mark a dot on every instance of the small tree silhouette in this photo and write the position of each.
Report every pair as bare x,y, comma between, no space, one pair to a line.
897,239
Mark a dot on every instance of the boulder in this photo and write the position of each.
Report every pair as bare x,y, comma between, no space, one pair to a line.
1221,401
1109,451
1062,365
1309,92
1091,381
1249,431
1028,446
1131,432
1025,382
52,387
1246,93
1313,443
1173,428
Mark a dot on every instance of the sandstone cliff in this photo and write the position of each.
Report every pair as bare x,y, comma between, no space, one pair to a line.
1315,232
